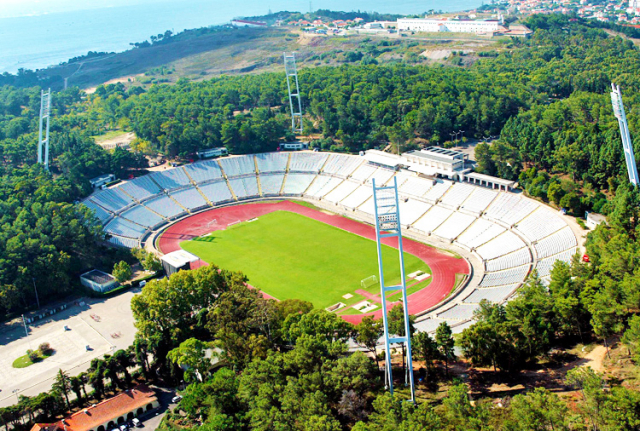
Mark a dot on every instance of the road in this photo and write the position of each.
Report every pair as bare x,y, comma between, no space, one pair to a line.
152,422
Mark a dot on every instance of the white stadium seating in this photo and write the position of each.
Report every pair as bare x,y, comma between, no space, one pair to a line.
491,294
454,226
540,224
437,191
126,228
355,199
272,162
341,165
217,192
307,162
143,216
415,186
556,243
112,199
100,213
511,260
456,195
341,192
296,184
202,172
432,219
191,199
502,244
172,179
238,166
479,200
271,184
480,232
140,188
511,234
363,172
165,206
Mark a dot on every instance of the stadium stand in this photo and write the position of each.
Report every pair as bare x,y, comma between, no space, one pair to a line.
125,228
501,206
459,312
491,294
271,184
190,198
165,206
519,211
238,166
480,232
101,214
456,195
479,200
217,192
237,186
341,165
296,184
203,172
307,162
509,276
363,172
415,186
539,224
545,266
432,219
500,245
172,179
428,325
511,260
341,192
454,226
142,216
437,191
556,243
272,162
410,211
124,242
381,175
112,199
322,185
357,198
140,188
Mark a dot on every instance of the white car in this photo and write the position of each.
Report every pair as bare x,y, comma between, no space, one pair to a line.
136,422
176,399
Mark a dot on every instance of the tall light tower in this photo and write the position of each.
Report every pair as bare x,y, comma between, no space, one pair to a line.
43,144
294,93
618,111
387,214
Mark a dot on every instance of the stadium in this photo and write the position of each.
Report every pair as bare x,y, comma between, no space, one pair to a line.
474,242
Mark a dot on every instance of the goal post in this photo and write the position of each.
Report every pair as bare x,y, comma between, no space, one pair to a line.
369,281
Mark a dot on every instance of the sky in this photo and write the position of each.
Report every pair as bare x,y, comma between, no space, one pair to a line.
13,8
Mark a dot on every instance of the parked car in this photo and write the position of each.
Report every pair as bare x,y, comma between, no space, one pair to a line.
136,422
124,427
176,399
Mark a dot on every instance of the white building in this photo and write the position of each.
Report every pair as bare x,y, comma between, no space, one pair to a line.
435,25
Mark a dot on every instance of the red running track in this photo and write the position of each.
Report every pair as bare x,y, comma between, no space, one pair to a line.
444,267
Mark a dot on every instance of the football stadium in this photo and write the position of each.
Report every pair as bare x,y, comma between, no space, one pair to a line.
299,225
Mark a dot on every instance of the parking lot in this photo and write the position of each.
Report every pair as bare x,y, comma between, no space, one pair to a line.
105,325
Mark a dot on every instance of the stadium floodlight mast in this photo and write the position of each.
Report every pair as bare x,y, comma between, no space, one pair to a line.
43,144
618,111
295,103
387,217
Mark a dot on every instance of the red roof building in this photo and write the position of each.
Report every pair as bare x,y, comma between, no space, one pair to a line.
108,414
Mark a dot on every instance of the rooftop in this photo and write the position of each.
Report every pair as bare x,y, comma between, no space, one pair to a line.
98,276
94,416
438,154
179,258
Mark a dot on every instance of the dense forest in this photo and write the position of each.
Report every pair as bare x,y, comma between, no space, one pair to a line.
284,365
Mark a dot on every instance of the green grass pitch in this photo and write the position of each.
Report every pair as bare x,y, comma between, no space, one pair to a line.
287,255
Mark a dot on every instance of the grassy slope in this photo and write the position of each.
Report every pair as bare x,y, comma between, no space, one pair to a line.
291,256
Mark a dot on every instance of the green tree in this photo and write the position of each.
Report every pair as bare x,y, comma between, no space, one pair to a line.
445,342
426,349
539,410
62,385
631,337
368,332
191,355
122,271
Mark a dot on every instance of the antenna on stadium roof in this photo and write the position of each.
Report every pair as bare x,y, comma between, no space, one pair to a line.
43,144
294,93
618,111
387,216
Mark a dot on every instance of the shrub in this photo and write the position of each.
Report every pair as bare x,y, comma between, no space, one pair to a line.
33,356
45,348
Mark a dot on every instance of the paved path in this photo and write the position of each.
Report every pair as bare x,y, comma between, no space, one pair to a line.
444,266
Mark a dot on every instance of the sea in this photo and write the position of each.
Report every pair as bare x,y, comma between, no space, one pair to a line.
43,38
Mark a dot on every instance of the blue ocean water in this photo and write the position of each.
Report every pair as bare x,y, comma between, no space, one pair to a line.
35,42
